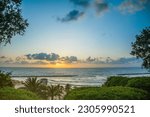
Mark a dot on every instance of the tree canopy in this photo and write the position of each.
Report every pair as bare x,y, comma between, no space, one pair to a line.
11,20
141,47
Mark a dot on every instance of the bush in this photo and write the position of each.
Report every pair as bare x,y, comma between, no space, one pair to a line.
136,82
5,80
141,83
107,93
8,93
116,81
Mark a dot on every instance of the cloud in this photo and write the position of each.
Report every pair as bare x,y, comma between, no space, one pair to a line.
52,58
39,63
71,59
124,60
73,15
89,59
109,60
100,6
4,59
132,6
43,56
82,3
21,60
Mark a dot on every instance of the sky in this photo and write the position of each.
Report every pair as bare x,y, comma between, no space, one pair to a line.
77,33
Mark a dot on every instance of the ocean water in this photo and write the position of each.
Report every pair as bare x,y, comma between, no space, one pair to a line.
74,76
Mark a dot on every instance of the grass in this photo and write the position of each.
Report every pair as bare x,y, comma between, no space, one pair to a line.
107,93
8,93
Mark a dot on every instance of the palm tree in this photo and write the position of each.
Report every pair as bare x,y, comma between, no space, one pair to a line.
67,88
32,84
60,90
52,91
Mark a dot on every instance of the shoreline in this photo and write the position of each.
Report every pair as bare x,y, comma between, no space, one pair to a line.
19,80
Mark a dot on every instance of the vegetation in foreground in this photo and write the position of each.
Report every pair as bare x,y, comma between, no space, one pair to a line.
9,93
136,82
107,93
115,88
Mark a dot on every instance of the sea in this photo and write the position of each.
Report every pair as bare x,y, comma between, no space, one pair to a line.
74,76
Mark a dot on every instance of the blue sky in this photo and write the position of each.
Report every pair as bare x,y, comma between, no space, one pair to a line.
78,28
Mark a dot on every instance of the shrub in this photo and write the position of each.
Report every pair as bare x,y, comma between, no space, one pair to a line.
107,93
5,80
116,81
141,83
8,93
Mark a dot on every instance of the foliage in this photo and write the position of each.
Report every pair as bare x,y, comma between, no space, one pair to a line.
136,82
8,93
42,92
36,86
5,80
32,84
141,47
116,81
141,83
107,93
52,91
60,91
11,20
67,88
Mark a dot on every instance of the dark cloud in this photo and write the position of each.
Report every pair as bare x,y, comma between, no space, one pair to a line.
89,59
71,59
43,56
73,15
126,61
109,60
132,6
100,6
95,60
82,3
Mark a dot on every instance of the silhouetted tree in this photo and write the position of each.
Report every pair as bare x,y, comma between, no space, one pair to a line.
141,47
11,20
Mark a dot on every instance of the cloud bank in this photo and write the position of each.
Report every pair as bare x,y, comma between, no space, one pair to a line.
53,59
43,56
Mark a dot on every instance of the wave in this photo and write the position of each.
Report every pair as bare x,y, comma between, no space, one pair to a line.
48,76
135,74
